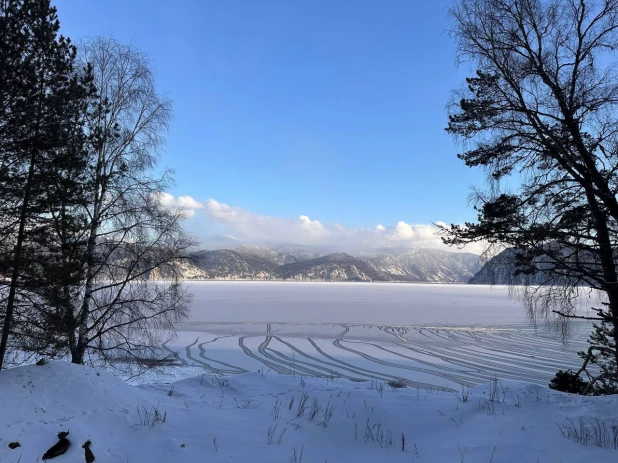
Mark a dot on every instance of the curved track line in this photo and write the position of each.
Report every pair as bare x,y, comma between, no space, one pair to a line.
315,359
441,374
202,364
182,361
247,351
377,375
292,367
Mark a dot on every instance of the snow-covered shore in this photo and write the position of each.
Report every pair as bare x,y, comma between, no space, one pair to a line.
233,419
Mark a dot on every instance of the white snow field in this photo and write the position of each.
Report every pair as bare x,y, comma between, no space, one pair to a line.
427,335
268,418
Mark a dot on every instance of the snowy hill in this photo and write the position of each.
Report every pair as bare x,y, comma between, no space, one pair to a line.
266,417
268,254
427,265
232,265
333,267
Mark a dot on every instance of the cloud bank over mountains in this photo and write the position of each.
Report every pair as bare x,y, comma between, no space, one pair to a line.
249,227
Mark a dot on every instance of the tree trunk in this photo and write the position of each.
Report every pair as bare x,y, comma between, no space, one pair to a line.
84,312
613,310
10,304
606,257
77,354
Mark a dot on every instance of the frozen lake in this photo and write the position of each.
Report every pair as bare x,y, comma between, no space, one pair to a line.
359,303
429,335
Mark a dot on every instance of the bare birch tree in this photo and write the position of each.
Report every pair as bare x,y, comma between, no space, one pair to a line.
121,234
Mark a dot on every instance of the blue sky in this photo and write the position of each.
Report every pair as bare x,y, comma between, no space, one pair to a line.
330,109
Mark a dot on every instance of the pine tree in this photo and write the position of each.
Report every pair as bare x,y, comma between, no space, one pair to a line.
541,116
41,99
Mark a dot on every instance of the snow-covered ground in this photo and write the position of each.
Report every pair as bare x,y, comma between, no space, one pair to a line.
258,417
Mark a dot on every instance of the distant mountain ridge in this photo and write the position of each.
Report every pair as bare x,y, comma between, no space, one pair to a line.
249,262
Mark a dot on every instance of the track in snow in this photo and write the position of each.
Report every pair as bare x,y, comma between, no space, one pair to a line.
421,356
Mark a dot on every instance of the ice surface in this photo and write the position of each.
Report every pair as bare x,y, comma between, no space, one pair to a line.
428,335
355,303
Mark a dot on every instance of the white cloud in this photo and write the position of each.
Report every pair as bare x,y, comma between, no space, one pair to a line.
258,228
250,227
184,203
187,202
408,232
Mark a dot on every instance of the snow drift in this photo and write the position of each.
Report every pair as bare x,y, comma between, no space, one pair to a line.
265,417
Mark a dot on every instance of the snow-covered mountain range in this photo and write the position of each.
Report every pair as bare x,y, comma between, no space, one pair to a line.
251,262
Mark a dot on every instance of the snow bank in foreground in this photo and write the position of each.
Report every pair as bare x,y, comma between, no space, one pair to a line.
232,419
